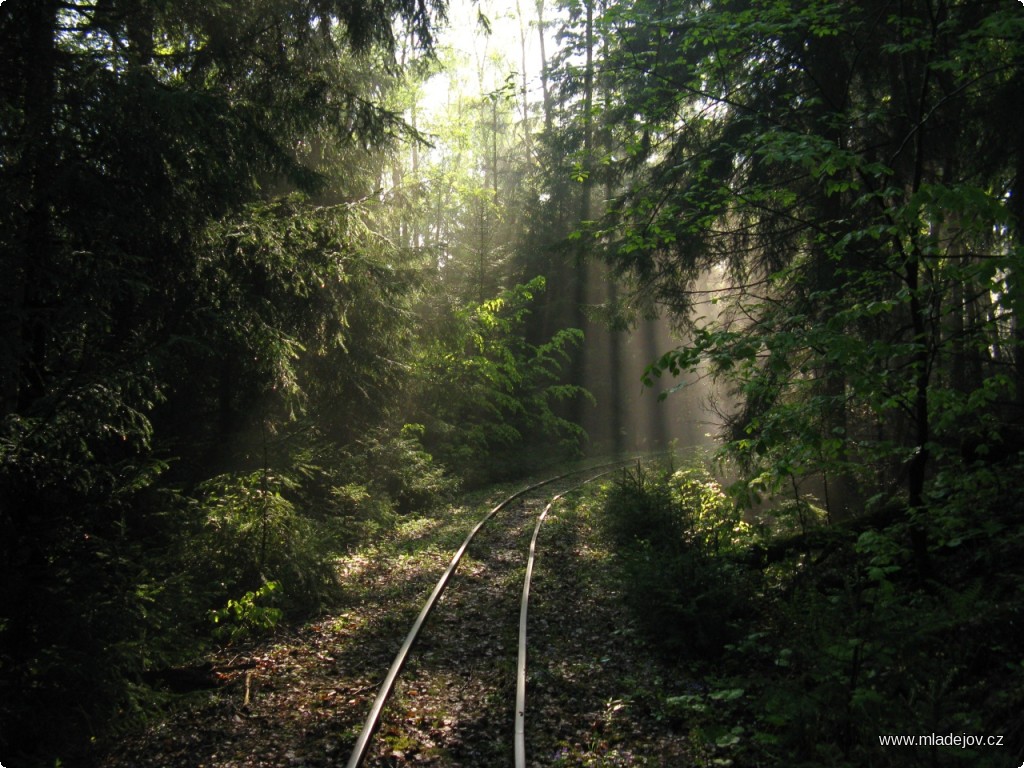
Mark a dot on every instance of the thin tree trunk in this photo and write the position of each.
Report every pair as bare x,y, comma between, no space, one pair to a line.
544,72
583,243
29,276
527,138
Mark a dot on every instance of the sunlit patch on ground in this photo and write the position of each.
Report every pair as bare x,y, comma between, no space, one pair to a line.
299,699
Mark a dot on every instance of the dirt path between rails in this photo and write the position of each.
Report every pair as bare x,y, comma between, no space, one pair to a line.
594,691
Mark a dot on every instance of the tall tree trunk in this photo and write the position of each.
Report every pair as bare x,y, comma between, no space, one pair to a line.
494,146
1015,280
527,137
545,84
918,465
35,267
583,243
417,235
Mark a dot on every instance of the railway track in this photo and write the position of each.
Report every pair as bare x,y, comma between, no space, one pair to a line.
485,597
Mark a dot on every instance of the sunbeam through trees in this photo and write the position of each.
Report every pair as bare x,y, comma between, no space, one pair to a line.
284,280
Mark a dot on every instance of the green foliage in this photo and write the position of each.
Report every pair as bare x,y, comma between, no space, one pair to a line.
254,535
483,388
843,643
808,656
842,660
861,277
174,309
641,508
674,533
396,476
245,616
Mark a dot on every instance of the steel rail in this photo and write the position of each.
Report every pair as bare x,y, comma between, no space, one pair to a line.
520,725
362,743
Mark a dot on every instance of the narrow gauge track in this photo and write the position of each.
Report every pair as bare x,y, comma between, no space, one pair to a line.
374,719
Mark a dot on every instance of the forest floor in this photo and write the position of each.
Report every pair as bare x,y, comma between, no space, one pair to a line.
299,698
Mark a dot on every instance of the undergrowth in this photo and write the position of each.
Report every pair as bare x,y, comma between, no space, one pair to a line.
675,528
140,600
809,657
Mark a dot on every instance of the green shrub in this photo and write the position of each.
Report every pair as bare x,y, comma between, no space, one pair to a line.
398,468
247,615
640,508
848,643
671,532
485,393
253,534
371,484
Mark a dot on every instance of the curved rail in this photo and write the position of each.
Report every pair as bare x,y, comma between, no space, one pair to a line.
384,692
520,728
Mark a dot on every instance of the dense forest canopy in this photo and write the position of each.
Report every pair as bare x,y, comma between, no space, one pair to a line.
265,290
852,173
197,304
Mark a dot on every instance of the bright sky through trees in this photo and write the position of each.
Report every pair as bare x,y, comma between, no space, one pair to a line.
483,61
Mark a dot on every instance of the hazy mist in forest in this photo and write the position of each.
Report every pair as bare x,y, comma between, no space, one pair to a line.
629,416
